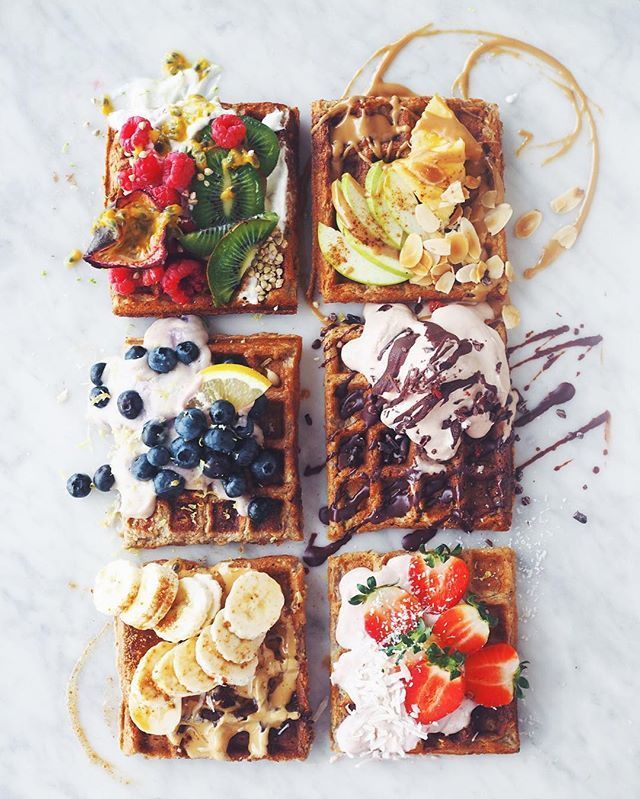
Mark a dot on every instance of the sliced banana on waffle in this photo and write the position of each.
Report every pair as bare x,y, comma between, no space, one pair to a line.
189,612
165,677
151,709
222,671
188,669
253,605
158,589
237,650
216,593
116,586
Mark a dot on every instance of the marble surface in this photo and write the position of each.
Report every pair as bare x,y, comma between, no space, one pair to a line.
577,583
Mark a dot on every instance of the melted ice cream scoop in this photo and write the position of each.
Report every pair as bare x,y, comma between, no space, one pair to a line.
435,378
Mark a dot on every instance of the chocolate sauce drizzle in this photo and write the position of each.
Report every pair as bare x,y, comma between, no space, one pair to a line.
316,554
559,395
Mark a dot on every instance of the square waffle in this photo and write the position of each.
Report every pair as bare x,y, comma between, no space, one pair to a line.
493,578
367,465
197,517
480,118
151,301
290,740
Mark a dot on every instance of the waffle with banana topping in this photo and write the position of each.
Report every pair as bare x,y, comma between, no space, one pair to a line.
491,730
197,517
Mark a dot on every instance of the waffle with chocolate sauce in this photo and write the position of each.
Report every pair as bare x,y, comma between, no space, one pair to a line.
291,738
198,517
152,301
493,581
483,122
367,464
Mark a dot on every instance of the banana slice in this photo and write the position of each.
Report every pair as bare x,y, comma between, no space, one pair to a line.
165,677
188,670
237,650
158,589
216,594
116,586
189,612
223,671
150,708
253,605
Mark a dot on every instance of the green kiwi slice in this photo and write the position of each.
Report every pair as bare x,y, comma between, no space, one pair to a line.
264,142
227,195
234,253
202,243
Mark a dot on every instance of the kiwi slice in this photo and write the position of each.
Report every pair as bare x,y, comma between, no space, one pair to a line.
234,253
227,195
264,142
202,243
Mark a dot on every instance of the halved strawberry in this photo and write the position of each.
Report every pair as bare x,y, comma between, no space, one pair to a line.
390,610
438,577
464,628
436,686
494,674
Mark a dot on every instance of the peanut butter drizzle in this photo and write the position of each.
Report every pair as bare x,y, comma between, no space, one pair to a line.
527,136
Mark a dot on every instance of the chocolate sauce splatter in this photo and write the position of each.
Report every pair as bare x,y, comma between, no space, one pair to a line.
309,471
563,393
316,344
562,465
412,541
315,554
308,419
580,517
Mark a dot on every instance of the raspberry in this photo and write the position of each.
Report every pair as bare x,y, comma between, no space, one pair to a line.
123,279
177,171
125,179
152,276
183,279
228,130
147,171
435,304
164,196
134,135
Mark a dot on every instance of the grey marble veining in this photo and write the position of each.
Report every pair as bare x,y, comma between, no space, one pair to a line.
577,583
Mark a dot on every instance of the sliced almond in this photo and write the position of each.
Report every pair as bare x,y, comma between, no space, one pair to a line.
496,219
426,262
440,269
439,246
495,267
527,224
411,251
566,236
463,275
567,201
425,217
445,283
510,316
466,227
459,246
508,270
488,199
453,194
477,273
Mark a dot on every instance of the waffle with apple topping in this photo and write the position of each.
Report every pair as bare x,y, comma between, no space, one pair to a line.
408,200
212,660
422,653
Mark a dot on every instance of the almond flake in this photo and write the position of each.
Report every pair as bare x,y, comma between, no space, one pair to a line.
411,251
496,219
527,224
459,246
508,270
566,236
477,273
426,262
453,195
495,266
568,201
425,217
438,246
466,227
463,275
488,199
510,316
445,283
439,269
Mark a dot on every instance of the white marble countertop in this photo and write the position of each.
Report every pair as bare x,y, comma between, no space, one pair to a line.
577,583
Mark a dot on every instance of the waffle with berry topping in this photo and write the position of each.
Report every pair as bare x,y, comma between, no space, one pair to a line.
196,517
237,714
367,465
481,119
152,301
493,582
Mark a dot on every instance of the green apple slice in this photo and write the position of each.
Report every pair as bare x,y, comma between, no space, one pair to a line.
400,201
351,264
373,190
356,199
383,257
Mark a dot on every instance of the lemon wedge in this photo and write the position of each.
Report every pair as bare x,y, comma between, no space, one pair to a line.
238,384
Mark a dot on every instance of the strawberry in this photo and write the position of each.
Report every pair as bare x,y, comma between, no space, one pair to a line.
494,674
464,627
390,611
438,577
436,686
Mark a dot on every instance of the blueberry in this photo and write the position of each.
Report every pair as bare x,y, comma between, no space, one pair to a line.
99,396
191,424
168,483
158,456
79,485
247,452
103,479
187,351
220,439
154,433
217,466
186,454
222,412
95,373
133,353
259,407
265,467
141,469
162,359
259,508
235,485
245,430
130,404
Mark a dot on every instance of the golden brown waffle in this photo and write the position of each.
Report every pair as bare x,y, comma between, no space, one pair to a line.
151,301
196,517
493,581
481,119
291,739
367,465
